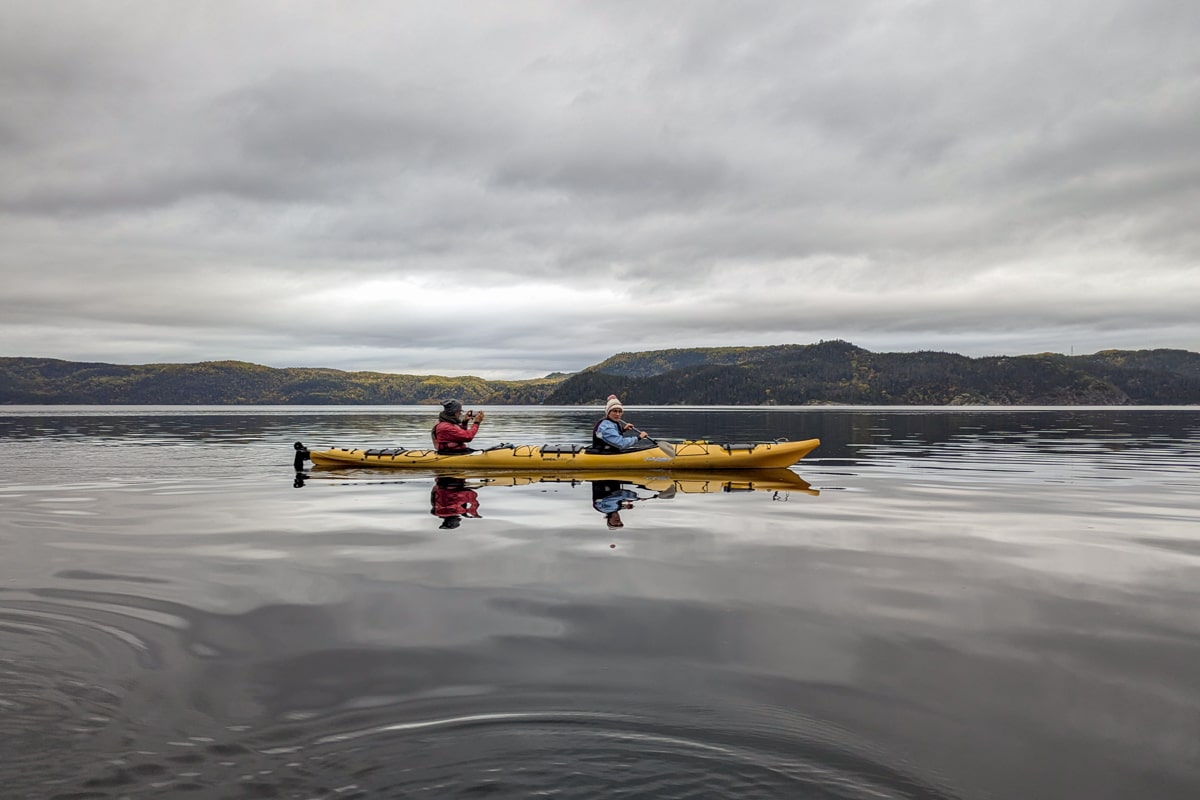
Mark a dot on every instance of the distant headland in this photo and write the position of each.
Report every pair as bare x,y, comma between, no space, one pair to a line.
826,373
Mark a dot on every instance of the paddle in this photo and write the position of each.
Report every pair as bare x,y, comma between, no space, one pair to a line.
666,447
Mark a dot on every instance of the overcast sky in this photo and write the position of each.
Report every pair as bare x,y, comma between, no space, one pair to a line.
509,188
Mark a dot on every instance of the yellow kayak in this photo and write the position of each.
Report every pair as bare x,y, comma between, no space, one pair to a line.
689,455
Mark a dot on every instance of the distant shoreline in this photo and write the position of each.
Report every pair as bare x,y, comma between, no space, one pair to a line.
833,373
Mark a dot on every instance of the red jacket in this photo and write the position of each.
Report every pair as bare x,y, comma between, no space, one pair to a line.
449,502
448,436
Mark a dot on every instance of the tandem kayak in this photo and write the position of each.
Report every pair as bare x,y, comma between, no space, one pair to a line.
689,455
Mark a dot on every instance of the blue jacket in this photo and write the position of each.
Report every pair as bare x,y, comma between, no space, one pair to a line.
607,431
612,502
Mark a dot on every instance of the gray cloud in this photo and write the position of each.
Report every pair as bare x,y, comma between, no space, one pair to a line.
509,190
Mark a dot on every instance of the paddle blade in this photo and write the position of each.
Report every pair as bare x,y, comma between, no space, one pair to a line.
667,448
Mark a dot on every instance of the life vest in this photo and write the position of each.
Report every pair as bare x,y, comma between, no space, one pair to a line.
451,497
601,446
449,448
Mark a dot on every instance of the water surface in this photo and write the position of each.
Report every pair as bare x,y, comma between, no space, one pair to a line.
961,604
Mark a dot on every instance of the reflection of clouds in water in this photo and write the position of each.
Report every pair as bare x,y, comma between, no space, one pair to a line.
59,691
302,691
281,699
984,698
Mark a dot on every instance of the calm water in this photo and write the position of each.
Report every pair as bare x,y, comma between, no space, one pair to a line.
965,604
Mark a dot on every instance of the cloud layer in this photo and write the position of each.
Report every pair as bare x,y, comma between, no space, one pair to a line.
510,189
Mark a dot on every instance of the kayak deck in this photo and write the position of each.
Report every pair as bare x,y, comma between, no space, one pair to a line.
688,455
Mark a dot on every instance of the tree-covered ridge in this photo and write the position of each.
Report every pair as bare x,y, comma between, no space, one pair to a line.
38,380
658,362
840,373
825,373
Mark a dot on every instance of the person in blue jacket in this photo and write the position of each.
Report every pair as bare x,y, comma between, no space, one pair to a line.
609,434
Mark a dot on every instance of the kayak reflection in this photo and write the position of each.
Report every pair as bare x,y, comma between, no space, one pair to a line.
658,481
455,494
662,483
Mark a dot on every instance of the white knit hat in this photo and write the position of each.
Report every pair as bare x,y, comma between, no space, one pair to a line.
612,403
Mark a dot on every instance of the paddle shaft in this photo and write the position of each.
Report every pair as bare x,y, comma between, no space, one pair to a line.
666,447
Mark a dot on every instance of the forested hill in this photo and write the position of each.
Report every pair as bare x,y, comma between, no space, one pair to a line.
826,373
43,380
840,373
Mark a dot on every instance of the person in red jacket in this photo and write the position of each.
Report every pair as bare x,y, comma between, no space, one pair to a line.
453,430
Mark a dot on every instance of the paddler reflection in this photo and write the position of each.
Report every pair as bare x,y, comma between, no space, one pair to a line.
452,499
611,497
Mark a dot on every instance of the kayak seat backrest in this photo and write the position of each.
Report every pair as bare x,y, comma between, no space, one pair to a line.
746,446
562,449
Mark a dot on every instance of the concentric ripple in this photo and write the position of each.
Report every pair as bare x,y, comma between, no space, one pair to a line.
48,707
565,754
582,754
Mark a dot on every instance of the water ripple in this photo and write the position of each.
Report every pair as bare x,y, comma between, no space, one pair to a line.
49,706
565,753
